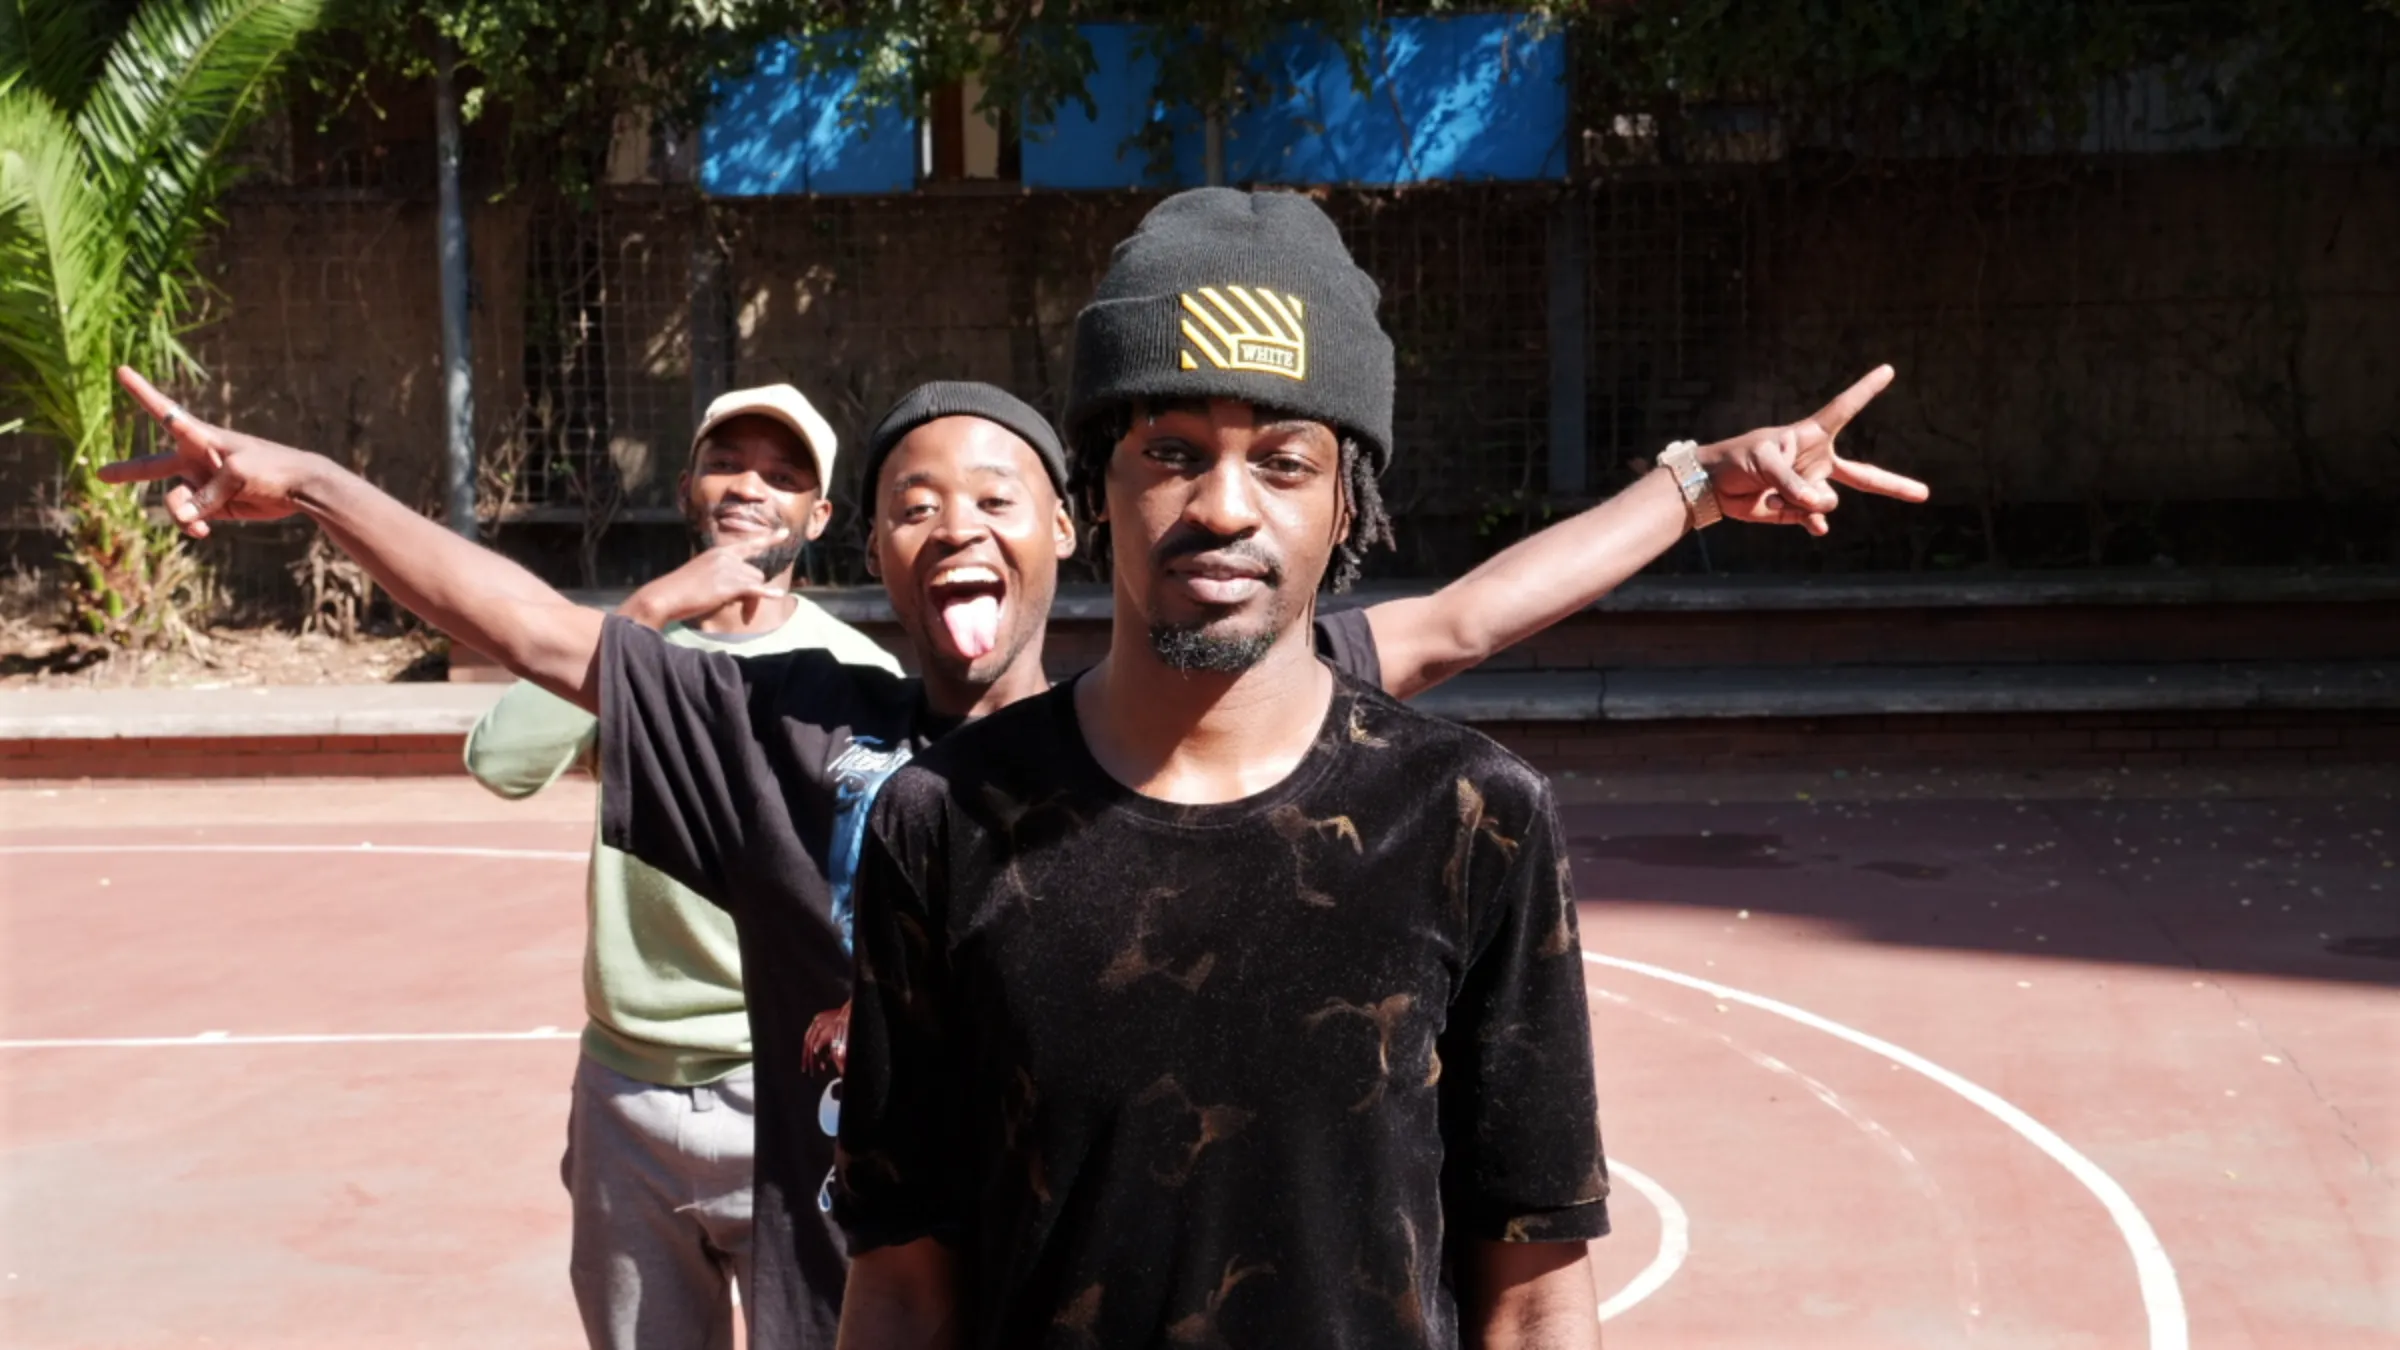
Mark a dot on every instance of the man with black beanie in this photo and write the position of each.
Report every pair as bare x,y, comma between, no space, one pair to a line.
1215,997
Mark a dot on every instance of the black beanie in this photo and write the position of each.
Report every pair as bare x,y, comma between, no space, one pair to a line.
963,398
1241,295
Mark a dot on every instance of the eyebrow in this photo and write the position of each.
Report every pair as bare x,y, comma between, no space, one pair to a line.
1265,418
1292,426
925,477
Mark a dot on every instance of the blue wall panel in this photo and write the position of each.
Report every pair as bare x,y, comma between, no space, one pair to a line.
1468,98
1080,150
776,134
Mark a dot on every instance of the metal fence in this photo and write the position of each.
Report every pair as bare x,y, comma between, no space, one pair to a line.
2103,361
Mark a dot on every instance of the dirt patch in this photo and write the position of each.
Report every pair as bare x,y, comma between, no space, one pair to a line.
34,656
38,650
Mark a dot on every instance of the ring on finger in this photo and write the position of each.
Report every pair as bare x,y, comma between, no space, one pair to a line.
174,410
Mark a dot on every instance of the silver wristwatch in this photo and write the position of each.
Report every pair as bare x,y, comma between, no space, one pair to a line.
1699,494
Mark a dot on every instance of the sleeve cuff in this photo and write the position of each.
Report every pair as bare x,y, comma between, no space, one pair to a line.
1573,1223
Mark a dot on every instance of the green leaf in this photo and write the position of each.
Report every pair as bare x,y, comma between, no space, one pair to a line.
60,269
179,85
55,45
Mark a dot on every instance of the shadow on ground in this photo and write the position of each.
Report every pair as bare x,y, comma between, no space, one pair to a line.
2302,888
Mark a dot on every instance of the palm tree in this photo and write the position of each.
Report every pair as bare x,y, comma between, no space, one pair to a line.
115,119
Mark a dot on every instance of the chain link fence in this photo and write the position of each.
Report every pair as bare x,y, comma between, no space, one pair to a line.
2102,361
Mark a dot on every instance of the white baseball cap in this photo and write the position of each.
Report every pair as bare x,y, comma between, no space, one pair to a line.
784,404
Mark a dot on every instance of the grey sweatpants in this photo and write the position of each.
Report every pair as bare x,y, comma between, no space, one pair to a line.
660,1179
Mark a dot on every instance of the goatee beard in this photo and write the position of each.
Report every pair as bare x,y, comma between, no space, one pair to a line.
774,558
1191,648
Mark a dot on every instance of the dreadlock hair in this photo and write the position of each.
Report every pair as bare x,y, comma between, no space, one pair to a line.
1095,443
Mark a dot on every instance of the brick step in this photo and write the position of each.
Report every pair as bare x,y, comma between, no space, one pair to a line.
1653,695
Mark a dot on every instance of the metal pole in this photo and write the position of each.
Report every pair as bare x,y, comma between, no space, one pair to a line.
705,298
458,356
1569,246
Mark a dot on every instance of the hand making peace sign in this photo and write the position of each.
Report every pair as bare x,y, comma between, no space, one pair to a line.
226,475
1783,475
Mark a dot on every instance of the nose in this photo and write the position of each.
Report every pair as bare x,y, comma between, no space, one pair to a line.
961,523
1222,500
748,486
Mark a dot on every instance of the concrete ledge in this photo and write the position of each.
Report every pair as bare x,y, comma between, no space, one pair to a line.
1637,695
259,712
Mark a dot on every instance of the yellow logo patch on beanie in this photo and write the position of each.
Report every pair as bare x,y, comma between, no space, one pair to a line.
1245,328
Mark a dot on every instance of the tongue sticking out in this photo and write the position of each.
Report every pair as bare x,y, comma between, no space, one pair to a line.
974,624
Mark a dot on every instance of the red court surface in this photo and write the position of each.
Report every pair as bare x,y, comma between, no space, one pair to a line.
1908,1073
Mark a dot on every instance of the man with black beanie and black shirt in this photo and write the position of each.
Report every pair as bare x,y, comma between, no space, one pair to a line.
744,778
1215,997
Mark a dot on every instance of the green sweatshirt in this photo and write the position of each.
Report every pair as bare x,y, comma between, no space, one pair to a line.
662,971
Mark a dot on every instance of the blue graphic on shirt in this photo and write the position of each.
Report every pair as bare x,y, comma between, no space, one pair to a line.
858,774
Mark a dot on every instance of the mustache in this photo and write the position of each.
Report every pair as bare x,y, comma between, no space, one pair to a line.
756,515
1190,542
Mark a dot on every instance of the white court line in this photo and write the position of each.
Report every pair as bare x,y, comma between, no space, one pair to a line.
1674,1242
1674,1236
332,1038
362,849
2162,1297
1967,1274
352,850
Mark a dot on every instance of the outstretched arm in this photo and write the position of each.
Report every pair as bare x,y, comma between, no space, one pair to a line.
1774,476
469,592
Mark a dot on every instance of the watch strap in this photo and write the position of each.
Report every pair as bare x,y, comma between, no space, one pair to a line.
1700,504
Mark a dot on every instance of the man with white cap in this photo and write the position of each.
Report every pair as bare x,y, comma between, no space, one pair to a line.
661,1133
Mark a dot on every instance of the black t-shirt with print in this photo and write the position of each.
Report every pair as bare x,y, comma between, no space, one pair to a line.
746,779
1248,1074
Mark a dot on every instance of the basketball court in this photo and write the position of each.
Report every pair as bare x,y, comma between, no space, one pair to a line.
286,1064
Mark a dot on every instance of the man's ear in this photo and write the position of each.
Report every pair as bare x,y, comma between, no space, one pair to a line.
820,515
875,551
1062,531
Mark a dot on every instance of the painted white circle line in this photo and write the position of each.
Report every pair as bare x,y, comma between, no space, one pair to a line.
2162,1296
1674,1242
353,850
1965,1271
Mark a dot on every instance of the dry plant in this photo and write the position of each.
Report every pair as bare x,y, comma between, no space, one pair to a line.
335,591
